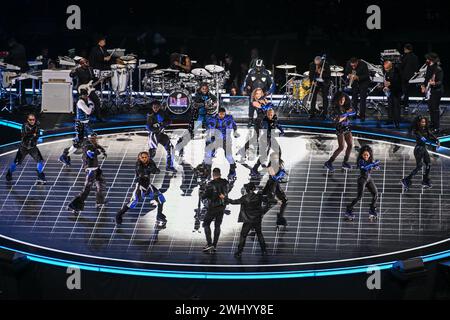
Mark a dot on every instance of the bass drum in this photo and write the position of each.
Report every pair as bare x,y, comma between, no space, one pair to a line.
179,101
119,79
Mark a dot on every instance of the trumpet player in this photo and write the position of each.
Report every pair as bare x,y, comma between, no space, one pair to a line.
392,88
357,74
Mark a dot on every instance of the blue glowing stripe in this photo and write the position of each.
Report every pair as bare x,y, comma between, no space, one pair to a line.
10,124
219,275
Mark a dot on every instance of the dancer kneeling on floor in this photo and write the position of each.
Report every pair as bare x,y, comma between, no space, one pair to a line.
144,168
253,207
423,135
94,175
366,164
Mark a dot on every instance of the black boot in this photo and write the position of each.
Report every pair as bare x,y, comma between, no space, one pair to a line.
120,214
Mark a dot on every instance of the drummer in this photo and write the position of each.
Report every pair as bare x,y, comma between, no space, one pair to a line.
205,106
180,62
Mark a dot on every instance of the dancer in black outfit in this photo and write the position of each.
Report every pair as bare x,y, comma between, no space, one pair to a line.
30,134
365,164
423,135
269,124
342,111
145,167
252,211
273,190
216,193
94,175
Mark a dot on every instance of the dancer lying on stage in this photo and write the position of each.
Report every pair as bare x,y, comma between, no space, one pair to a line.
145,167
94,175
269,124
224,123
423,135
156,124
273,190
30,134
366,164
253,208
342,112
85,108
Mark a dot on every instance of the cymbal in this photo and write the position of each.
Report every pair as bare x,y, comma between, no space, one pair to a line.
337,74
336,69
8,66
157,72
148,66
186,75
200,72
214,68
295,74
306,73
285,66
127,58
170,70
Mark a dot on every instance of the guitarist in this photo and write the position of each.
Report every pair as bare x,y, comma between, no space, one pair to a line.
84,73
433,88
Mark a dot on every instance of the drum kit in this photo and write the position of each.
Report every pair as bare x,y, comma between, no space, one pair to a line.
179,86
297,95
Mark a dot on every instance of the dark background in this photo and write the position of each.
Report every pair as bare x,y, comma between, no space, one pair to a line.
289,31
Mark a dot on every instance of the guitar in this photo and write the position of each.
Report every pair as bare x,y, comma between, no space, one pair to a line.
428,87
90,86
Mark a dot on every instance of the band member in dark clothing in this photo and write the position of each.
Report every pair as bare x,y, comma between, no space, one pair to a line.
433,88
320,76
30,134
216,192
232,69
99,58
257,77
84,73
204,106
157,121
253,208
94,175
393,90
145,167
342,111
17,55
365,164
357,73
180,62
408,67
422,132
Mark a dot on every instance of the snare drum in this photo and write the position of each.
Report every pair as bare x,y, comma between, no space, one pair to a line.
120,78
179,101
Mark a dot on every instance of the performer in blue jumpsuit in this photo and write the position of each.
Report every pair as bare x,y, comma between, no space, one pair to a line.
156,124
30,134
225,124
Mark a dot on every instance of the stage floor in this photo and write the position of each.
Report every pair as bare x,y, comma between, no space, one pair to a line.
37,216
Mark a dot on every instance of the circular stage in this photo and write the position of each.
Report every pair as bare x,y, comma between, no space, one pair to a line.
34,219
